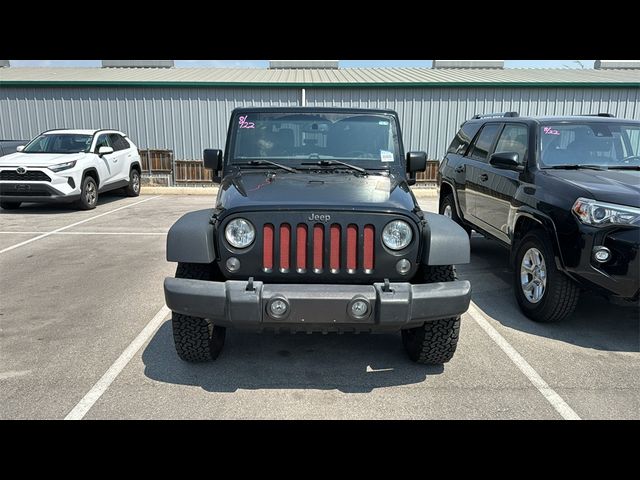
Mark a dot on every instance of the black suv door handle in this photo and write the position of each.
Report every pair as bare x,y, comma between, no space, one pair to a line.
459,169
484,177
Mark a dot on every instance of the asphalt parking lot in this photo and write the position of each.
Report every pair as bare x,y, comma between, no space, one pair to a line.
80,291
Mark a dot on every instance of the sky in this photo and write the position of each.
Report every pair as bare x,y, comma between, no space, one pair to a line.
343,63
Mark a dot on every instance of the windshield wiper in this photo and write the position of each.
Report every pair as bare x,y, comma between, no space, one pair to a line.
625,167
575,167
268,162
329,163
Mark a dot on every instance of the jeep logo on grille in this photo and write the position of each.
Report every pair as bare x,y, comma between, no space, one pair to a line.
314,217
21,170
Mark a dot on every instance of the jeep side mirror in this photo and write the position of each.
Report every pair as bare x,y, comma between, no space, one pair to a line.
505,161
20,148
213,161
416,162
105,151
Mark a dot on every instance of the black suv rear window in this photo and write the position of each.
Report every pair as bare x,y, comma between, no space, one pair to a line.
463,138
484,141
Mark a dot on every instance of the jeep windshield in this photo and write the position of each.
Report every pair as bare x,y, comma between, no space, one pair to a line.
575,145
316,140
59,143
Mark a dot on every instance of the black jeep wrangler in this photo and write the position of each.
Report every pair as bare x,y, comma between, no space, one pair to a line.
562,193
315,229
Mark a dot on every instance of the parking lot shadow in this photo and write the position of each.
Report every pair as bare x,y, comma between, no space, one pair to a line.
596,323
348,363
53,208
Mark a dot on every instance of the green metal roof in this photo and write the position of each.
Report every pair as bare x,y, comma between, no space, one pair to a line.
343,77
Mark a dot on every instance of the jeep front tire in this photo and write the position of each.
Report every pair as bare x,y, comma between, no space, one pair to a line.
434,342
196,339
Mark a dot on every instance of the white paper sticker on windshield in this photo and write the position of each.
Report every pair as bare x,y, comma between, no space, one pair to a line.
386,156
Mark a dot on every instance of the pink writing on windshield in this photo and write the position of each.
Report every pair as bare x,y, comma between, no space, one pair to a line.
245,124
550,131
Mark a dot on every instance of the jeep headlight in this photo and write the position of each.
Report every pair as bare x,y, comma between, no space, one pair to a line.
62,166
593,212
240,233
397,235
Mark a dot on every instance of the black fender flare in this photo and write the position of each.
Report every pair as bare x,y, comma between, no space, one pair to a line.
547,224
91,170
191,238
445,242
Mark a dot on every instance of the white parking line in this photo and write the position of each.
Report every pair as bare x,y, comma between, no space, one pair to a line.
73,225
534,377
88,233
92,396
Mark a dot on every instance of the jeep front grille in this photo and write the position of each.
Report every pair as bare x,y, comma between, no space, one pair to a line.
319,250
28,176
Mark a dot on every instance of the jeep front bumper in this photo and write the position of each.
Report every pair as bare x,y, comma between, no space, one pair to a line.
317,307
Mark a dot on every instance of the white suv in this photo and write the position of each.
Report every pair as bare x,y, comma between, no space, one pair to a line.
69,166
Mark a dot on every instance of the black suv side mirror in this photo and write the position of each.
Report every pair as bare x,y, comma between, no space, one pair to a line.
505,161
213,161
416,162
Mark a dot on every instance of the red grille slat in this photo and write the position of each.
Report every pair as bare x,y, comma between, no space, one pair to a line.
352,247
301,247
334,259
285,246
267,247
318,245
368,247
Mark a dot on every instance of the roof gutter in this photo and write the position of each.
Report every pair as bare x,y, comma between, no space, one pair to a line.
123,83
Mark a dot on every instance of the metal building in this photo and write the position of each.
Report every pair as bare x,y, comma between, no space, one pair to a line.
187,109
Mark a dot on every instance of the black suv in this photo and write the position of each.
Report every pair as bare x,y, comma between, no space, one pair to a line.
562,193
315,229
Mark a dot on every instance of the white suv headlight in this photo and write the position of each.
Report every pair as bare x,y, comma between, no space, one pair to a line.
240,233
593,212
397,235
62,166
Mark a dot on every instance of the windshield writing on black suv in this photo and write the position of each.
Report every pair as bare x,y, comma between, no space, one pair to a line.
59,143
603,144
295,139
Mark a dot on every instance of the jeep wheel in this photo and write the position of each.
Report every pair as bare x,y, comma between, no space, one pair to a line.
88,194
448,209
10,205
133,189
434,342
543,292
196,339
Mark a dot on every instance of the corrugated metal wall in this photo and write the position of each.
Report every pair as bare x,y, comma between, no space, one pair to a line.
186,120
431,117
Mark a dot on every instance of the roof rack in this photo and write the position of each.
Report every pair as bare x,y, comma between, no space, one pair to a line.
501,114
609,115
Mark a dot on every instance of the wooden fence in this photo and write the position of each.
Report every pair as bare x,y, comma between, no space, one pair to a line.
193,171
156,161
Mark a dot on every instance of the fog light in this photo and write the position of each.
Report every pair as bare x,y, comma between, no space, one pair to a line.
359,308
403,266
278,307
233,264
601,254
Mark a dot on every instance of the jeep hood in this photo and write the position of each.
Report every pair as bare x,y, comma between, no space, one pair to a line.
330,190
20,159
611,186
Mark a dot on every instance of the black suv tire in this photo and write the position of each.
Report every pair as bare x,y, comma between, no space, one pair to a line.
448,202
10,205
559,296
196,339
434,342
